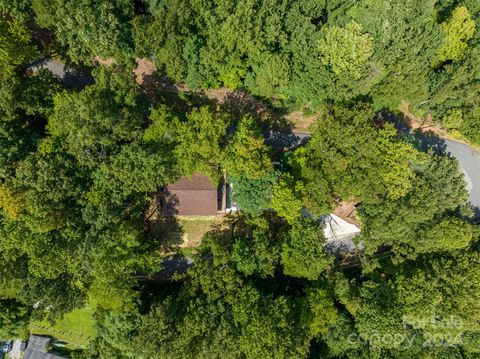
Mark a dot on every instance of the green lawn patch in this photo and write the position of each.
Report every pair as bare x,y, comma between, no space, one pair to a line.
76,328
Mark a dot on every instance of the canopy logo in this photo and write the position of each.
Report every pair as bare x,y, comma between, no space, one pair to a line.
424,332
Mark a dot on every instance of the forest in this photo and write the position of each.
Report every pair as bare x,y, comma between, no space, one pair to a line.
160,89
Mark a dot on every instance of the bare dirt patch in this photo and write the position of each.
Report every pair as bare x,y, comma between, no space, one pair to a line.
425,124
105,61
237,102
152,83
300,122
144,69
348,212
219,95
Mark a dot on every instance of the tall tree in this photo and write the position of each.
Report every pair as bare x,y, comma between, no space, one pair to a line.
352,157
245,153
94,28
459,28
302,253
425,219
15,45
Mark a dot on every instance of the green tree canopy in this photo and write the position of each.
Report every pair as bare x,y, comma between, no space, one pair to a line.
13,318
352,157
302,252
200,141
246,154
347,50
253,196
424,220
93,28
92,123
15,45
458,29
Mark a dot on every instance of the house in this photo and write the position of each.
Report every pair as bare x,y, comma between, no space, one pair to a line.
193,196
37,348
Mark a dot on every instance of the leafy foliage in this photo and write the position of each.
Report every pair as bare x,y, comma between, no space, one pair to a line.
302,250
13,318
241,322
199,142
420,221
92,123
350,157
346,50
253,195
15,46
93,28
80,172
246,153
459,28
285,200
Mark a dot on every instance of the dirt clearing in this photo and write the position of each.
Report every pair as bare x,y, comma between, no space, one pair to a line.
194,228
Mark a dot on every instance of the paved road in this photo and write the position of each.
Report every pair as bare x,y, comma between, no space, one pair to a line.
285,139
67,75
15,352
468,157
469,160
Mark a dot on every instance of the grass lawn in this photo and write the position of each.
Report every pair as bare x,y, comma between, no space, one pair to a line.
76,328
194,228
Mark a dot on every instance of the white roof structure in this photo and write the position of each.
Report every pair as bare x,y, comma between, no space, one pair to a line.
339,234
337,228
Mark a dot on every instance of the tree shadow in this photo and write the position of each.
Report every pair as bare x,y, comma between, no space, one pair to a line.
68,75
159,88
284,139
161,222
476,215
445,13
239,103
76,78
176,264
424,140
430,141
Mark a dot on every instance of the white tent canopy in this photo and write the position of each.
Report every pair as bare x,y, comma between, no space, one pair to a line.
337,228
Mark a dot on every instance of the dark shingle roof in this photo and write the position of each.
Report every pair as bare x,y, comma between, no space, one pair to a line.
197,182
192,197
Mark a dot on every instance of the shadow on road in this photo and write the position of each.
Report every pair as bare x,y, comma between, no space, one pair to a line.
467,157
68,75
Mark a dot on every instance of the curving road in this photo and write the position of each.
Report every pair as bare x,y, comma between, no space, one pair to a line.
468,157
469,160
